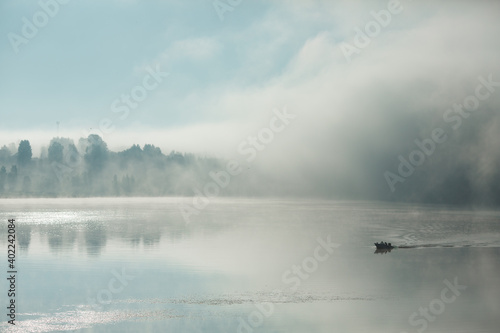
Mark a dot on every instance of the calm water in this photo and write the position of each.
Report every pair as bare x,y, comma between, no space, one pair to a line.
245,265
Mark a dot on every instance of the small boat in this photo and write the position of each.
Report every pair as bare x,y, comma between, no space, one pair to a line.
384,246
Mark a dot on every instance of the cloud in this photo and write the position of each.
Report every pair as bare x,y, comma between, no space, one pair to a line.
356,118
191,49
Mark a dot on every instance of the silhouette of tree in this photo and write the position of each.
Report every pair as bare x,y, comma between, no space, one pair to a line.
176,157
136,170
116,186
96,154
56,152
24,153
3,178
128,184
5,154
151,150
133,153
12,178
72,155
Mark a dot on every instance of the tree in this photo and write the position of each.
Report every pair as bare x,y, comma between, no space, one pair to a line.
72,157
5,154
3,178
133,153
151,150
56,152
24,153
96,153
128,184
12,178
116,186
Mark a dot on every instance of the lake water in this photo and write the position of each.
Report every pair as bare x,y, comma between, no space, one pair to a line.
250,265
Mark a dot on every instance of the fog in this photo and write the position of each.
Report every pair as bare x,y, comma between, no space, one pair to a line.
351,118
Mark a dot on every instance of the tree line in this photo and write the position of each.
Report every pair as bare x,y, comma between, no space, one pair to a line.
89,168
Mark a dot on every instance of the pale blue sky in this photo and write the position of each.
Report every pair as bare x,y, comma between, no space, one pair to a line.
91,52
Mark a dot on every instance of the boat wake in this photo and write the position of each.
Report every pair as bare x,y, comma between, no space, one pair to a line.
423,246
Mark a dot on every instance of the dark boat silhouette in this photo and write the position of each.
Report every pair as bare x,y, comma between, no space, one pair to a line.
384,246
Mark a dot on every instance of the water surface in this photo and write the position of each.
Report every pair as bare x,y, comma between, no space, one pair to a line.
251,265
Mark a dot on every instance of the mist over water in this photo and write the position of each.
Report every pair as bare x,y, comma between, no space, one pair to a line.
239,254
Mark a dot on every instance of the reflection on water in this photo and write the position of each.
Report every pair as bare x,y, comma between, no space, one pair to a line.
134,265
24,236
382,251
95,238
